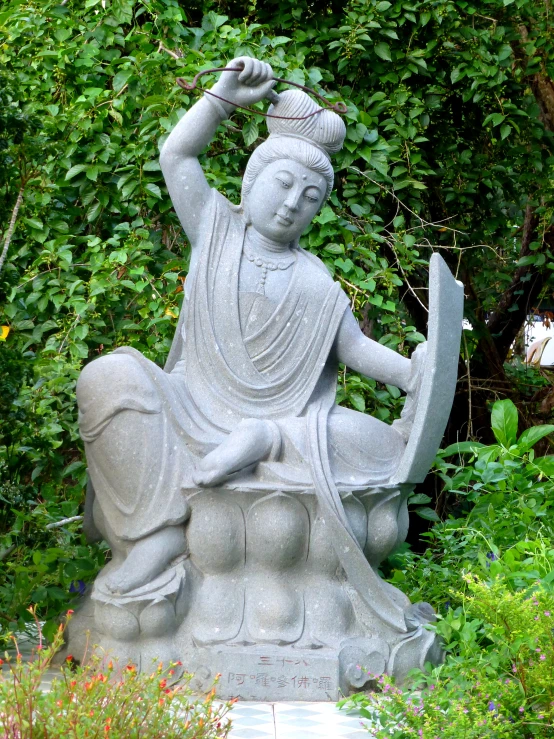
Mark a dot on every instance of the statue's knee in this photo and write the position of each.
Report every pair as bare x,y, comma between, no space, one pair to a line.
114,376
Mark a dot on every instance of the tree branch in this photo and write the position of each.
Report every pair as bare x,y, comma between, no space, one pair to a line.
11,227
526,285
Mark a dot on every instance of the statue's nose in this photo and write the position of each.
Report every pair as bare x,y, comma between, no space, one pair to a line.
291,203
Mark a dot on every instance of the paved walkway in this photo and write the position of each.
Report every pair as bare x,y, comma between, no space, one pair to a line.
295,721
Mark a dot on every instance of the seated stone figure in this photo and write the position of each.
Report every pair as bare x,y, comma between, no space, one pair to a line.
244,508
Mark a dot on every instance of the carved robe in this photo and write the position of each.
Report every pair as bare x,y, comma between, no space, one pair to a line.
223,368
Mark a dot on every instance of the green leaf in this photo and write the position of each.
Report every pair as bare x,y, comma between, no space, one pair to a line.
505,52
427,513
530,436
116,115
545,465
382,50
526,260
504,422
505,131
279,41
75,170
415,337
120,79
250,132
153,190
334,248
128,188
152,166
495,118
34,223
419,499
456,74
326,216
357,401
92,172
460,447
94,211
368,284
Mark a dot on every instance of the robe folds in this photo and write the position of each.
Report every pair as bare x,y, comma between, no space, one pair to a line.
281,370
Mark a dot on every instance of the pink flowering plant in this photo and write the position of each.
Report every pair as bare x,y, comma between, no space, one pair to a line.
103,700
497,681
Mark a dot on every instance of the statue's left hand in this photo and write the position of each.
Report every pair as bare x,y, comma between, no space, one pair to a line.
417,362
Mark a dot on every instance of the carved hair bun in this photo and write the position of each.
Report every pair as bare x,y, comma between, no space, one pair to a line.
326,129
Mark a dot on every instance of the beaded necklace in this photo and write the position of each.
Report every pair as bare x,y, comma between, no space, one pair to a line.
267,265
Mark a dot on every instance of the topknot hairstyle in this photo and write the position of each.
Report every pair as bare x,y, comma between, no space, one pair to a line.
309,141
326,129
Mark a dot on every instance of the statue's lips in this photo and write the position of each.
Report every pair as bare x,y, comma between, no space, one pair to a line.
283,220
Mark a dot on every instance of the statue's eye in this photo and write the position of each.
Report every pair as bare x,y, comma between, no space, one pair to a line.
285,178
312,195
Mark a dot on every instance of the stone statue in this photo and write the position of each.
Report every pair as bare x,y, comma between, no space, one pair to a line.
246,512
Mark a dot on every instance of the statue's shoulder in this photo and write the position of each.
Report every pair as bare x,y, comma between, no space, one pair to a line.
310,259
316,267
222,203
217,206
319,282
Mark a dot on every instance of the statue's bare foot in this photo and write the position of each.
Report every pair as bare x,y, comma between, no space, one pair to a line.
248,444
206,476
147,559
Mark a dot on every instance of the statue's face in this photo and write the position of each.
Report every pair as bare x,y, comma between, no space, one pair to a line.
284,198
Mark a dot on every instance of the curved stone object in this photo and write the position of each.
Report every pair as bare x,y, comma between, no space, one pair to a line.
246,512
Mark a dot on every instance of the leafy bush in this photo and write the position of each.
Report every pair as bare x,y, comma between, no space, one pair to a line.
104,700
496,682
498,630
502,498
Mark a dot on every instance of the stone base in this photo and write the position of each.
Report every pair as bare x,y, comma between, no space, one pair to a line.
261,598
256,674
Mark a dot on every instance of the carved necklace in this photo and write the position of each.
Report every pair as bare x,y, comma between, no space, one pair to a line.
267,264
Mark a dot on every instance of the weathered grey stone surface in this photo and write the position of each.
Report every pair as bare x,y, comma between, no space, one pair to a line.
247,513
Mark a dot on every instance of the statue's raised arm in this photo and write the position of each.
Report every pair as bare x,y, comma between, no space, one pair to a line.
187,185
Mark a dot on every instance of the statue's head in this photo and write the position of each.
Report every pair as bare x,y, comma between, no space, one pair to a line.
290,175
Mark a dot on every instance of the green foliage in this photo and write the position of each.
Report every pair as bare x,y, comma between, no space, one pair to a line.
496,682
104,699
446,145
503,499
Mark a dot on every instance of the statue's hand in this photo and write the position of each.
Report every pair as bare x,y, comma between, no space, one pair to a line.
417,362
404,424
247,87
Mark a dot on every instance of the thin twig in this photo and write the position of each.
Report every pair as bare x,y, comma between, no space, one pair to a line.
57,524
161,47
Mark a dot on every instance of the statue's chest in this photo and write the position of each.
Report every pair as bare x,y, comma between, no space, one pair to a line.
263,280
